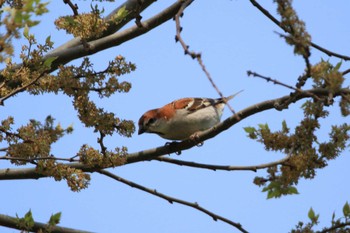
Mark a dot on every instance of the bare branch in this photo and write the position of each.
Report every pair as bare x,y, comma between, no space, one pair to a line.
253,168
193,54
31,173
275,81
273,19
12,222
74,7
346,72
178,37
171,200
100,141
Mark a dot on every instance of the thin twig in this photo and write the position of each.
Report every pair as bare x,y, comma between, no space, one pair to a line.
100,141
74,7
193,54
345,72
138,17
4,149
17,135
178,37
275,81
278,23
303,78
39,158
10,134
171,200
20,89
253,168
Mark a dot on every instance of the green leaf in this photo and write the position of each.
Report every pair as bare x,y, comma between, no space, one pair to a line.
48,40
333,218
273,194
28,219
264,126
346,210
311,214
337,66
48,62
249,130
292,190
121,14
26,31
285,128
55,219
273,190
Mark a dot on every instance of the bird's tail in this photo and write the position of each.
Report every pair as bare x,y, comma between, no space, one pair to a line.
226,99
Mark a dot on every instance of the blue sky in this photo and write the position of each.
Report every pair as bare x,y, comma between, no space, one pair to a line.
233,37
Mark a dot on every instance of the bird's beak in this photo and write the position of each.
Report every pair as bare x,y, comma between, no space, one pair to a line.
141,130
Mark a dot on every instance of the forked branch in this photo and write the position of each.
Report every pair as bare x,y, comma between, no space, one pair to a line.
278,23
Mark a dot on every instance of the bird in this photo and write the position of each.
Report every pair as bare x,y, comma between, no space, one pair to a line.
182,118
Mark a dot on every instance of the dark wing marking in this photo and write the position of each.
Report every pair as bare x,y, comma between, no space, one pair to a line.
200,103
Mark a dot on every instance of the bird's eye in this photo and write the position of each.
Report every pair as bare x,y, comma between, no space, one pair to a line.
151,121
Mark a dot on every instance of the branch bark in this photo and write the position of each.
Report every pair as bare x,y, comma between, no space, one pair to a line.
31,173
213,167
11,222
130,7
73,50
171,200
66,55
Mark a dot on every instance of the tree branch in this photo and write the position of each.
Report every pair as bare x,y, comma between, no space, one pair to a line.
275,81
36,159
333,228
68,52
74,7
193,54
12,222
67,55
30,173
278,23
21,88
130,6
253,168
171,200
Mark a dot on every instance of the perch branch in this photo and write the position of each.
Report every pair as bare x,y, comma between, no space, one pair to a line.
31,173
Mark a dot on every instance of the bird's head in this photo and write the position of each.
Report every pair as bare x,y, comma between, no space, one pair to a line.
150,122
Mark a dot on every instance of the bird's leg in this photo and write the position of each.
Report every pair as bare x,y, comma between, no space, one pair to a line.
173,143
195,137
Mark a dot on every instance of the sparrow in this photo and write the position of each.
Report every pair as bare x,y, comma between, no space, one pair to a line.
182,118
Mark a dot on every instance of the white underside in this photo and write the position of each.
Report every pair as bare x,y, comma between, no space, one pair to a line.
181,127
